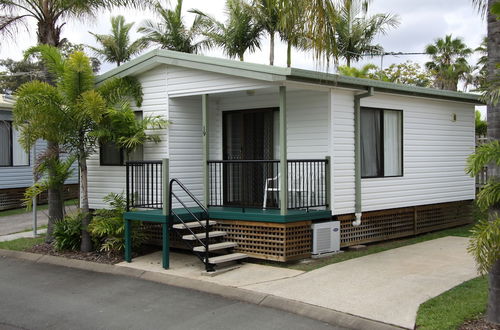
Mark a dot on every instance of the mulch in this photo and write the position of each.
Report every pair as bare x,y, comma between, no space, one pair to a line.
94,256
100,257
479,324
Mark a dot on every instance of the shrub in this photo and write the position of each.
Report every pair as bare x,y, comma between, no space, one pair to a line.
68,232
107,226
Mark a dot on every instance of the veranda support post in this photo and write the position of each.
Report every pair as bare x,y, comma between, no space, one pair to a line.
204,113
166,212
283,182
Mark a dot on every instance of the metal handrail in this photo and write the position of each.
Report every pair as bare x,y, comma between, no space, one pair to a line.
205,212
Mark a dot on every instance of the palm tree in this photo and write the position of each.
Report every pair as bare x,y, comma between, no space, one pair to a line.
239,34
449,62
493,110
482,65
81,112
368,71
292,26
116,47
268,15
171,32
50,17
354,31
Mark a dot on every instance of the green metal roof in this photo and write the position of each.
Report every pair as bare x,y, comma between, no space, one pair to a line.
270,73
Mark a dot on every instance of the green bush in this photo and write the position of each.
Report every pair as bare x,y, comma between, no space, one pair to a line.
68,232
107,226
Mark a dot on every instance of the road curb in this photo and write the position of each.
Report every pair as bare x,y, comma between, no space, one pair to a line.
322,314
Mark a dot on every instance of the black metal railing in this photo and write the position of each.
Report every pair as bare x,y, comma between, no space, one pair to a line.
202,218
256,183
144,184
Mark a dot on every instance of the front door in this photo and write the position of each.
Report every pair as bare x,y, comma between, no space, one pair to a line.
248,135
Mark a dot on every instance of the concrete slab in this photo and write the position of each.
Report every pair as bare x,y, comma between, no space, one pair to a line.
185,265
387,286
19,222
25,234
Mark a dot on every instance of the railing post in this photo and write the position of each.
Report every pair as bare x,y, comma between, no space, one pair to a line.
204,111
127,185
165,185
328,182
283,181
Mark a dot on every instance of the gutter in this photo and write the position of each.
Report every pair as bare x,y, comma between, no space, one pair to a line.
357,153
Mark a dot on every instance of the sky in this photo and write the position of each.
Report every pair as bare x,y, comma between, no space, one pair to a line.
421,22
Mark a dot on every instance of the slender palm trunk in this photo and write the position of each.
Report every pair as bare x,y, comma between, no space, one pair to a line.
271,50
240,56
289,54
86,244
55,195
348,60
493,313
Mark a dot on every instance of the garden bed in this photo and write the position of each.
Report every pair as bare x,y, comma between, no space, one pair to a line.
478,324
94,256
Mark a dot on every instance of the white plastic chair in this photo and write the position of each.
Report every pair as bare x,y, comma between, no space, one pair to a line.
292,188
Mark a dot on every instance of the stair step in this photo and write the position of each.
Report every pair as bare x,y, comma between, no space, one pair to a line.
214,247
204,235
227,258
193,224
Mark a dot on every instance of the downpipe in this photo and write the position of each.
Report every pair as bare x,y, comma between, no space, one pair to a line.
357,154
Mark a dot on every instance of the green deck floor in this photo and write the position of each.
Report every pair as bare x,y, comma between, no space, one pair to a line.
231,213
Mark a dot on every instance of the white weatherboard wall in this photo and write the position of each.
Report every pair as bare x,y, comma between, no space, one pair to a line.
185,81
434,154
105,179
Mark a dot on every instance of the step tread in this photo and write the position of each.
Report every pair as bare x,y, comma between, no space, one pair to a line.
226,258
214,247
204,235
193,224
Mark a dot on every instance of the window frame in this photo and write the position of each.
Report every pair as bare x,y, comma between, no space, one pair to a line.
122,157
382,142
11,163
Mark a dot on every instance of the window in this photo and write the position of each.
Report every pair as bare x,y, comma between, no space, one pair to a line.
381,143
112,155
11,151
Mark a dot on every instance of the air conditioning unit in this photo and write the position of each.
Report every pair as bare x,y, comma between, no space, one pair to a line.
326,237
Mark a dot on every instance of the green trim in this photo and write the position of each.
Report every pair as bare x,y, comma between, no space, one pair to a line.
229,213
275,74
165,166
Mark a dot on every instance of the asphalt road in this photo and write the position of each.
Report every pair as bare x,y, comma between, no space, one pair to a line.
42,296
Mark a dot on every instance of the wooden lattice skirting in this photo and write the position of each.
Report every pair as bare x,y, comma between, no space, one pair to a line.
11,198
394,223
269,241
291,241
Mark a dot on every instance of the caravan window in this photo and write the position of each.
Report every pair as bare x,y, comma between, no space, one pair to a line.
11,151
381,143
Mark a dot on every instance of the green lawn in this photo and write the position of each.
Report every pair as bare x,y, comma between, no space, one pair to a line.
39,208
449,310
21,244
462,231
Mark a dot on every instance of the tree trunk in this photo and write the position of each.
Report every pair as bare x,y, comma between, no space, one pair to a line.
271,50
493,314
289,54
348,60
86,244
55,198
241,57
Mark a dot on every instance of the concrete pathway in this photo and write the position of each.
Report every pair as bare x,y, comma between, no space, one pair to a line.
19,222
24,234
386,287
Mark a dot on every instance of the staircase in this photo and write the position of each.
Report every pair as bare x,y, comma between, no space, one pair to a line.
196,232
